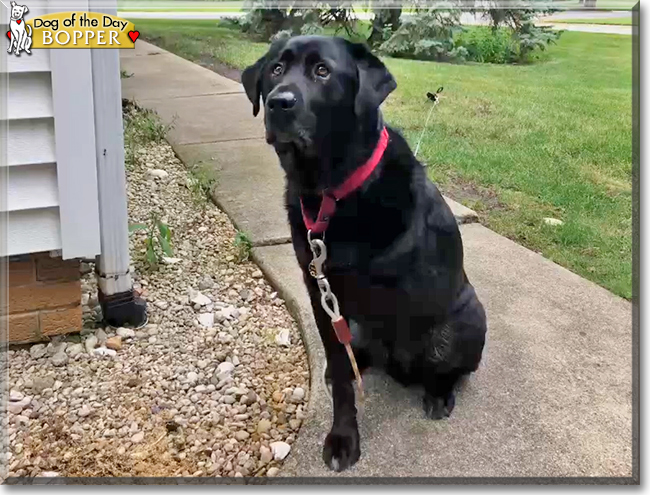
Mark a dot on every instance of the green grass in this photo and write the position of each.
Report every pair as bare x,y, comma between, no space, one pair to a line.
516,143
202,41
613,21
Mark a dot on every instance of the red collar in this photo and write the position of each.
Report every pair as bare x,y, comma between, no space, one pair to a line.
351,184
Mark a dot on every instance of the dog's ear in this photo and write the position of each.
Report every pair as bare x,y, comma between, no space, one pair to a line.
13,4
251,78
375,82
25,9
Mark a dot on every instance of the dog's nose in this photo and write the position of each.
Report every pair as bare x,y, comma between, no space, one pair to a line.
283,101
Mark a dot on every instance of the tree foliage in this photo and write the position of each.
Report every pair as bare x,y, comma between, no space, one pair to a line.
263,23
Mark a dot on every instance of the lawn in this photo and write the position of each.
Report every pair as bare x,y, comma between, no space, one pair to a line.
515,143
614,21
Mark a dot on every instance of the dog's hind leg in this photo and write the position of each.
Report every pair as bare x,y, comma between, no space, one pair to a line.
440,394
452,350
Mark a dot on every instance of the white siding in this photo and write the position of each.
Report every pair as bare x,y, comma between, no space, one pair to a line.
38,61
33,231
30,95
31,187
29,141
51,185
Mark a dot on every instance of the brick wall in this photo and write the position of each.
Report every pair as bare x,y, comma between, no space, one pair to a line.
44,298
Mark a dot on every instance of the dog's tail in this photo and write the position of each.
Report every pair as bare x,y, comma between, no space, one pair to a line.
27,26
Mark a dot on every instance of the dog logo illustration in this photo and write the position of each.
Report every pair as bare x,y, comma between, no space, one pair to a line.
20,34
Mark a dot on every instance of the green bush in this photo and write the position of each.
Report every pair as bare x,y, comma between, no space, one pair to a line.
487,45
428,36
437,35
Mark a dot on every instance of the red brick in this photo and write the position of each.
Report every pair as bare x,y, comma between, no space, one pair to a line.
44,295
51,269
21,272
22,328
60,321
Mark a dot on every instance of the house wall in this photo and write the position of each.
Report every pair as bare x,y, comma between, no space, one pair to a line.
49,175
48,182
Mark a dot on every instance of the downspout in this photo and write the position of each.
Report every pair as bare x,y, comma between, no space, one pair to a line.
121,306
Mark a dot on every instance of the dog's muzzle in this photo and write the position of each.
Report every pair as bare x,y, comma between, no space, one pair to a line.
283,109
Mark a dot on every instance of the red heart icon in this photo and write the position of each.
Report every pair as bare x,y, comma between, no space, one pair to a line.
134,35
9,34
19,21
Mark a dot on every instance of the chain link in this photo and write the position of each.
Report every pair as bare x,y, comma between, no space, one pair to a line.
328,300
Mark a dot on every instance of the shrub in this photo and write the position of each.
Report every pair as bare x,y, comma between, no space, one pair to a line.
437,35
264,23
484,44
427,36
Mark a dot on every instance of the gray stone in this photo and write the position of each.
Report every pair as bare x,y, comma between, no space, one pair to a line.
266,455
41,383
282,337
298,394
16,395
206,283
37,351
125,333
225,367
84,411
157,174
101,336
138,437
263,426
90,343
15,408
74,349
60,359
242,435
199,299
280,450
55,347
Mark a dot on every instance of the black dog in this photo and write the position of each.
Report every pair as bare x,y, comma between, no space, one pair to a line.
395,257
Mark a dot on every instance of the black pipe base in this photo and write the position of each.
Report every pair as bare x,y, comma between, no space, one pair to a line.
124,309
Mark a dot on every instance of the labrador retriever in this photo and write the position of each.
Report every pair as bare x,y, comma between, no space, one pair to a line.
394,251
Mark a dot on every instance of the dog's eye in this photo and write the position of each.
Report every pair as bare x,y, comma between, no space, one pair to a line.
277,70
322,71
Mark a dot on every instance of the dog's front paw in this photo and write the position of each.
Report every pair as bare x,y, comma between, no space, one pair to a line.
436,407
341,449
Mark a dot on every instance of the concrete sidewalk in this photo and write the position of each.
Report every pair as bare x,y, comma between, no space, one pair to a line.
553,396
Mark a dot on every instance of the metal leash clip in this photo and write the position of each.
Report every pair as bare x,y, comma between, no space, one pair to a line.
330,303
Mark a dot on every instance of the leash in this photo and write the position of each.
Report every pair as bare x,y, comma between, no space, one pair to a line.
435,99
327,208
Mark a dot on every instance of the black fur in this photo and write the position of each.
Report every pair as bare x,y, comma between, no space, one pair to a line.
395,256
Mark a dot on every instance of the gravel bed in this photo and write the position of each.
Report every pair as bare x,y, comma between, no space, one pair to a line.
215,384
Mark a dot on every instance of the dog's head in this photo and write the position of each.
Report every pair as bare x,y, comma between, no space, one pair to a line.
314,87
18,11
